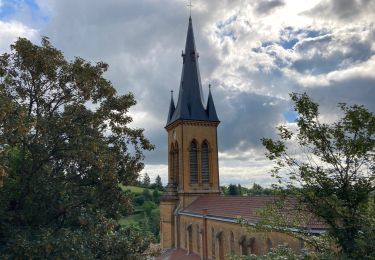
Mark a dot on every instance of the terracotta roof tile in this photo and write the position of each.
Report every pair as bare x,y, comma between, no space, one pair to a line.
232,207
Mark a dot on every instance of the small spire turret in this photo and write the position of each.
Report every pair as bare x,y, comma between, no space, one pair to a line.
211,110
171,107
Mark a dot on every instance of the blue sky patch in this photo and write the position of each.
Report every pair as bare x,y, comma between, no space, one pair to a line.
290,36
10,8
290,116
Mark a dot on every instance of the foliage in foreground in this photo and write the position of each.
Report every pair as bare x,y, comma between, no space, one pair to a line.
285,253
330,169
63,161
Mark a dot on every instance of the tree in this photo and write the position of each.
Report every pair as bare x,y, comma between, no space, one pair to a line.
233,190
156,196
239,187
333,171
147,194
158,183
146,181
66,145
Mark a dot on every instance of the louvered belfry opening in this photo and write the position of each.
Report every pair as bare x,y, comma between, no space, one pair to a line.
205,163
193,163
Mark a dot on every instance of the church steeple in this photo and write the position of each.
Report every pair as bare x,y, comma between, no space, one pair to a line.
190,104
193,167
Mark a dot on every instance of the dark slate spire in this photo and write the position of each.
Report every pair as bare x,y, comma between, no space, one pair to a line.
211,111
171,107
190,105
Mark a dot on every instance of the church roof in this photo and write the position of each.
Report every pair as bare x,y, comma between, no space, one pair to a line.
232,207
190,104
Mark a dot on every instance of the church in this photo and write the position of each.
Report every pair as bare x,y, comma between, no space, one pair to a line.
196,220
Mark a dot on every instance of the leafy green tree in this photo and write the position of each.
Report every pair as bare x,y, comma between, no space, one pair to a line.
65,145
146,181
282,252
333,173
158,183
156,196
147,194
240,189
148,206
233,190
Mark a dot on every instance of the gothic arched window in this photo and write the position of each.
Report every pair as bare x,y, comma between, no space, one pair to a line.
205,163
190,237
220,244
231,243
243,245
193,163
213,243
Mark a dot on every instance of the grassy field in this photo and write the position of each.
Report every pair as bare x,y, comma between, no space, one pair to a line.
138,211
134,189
131,220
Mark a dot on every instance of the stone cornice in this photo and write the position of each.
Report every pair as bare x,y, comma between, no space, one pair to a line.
192,122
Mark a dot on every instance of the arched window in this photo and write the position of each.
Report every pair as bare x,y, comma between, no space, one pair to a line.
231,243
269,244
205,163
193,163
213,249
175,166
243,245
220,244
251,245
190,237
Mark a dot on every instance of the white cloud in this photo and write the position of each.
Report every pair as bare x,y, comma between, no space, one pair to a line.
253,54
10,31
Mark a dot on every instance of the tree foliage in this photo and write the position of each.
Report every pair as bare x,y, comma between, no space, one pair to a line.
158,184
66,145
146,181
233,189
330,168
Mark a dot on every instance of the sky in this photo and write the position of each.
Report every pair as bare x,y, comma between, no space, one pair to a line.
253,53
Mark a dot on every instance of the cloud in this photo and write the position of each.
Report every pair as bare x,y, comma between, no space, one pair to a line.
252,52
10,31
343,10
267,6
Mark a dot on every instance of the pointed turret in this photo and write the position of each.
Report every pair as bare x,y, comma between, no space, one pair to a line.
172,108
190,104
211,110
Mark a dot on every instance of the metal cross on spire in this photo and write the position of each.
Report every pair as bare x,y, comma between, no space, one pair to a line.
190,5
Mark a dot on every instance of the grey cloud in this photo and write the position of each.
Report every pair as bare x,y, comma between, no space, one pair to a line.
327,53
267,6
142,42
356,90
246,118
343,10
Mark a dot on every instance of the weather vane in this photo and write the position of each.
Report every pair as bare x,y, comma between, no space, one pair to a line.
190,5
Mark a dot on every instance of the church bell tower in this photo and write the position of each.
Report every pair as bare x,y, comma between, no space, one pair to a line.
193,169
